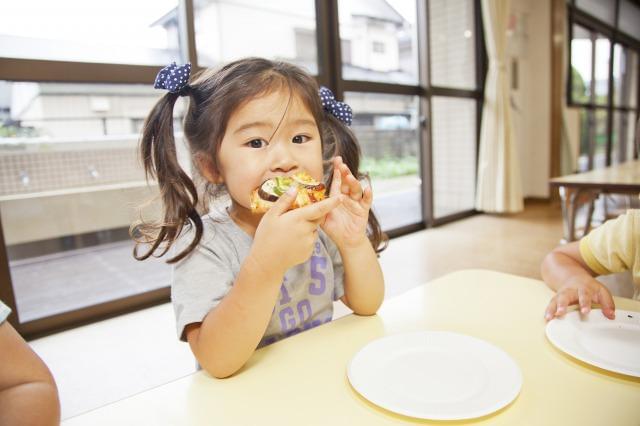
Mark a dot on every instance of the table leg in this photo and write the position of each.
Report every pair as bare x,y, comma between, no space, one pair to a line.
572,199
567,199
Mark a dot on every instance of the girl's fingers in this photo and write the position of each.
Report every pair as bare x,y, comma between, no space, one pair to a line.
355,189
350,185
315,211
336,184
367,196
284,202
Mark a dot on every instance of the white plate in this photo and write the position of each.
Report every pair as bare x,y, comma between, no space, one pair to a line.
435,375
613,345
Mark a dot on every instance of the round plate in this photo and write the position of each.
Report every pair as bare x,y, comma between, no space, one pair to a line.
612,345
435,375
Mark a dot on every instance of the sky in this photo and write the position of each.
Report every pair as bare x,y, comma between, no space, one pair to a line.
113,22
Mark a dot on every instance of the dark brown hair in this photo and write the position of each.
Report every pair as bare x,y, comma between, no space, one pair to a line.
214,95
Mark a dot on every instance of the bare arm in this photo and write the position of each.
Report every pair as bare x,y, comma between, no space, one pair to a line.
363,279
28,393
565,271
229,334
347,227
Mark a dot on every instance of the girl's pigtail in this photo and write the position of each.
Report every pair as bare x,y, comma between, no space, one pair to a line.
342,141
177,190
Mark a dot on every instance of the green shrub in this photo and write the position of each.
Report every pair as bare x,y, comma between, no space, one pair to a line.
389,167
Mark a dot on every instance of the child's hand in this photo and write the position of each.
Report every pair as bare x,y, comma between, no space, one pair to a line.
346,225
286,237
584,292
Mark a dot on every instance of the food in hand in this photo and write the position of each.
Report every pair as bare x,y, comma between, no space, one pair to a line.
309,191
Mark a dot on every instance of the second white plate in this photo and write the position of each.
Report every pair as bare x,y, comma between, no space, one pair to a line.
435,375
612,345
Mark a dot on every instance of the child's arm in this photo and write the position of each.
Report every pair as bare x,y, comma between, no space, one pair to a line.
229,334
363,280
346,226
565,271
28,393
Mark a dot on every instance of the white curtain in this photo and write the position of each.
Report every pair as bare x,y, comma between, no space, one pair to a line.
499,183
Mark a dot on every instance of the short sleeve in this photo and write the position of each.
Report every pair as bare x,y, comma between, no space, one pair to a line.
612,246
5,311
199,282
338,267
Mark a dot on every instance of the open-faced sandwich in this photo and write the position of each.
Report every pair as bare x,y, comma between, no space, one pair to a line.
309,191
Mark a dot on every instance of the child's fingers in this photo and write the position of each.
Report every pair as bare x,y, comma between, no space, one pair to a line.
346,172
350,185
562,301
367,196
317,210
606,302
584,299
336,183
354,188
551,309
284,202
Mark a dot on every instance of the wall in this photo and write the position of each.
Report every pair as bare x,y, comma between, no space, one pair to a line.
530,45
70,212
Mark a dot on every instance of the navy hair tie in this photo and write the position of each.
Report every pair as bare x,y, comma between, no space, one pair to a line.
173,78
338,109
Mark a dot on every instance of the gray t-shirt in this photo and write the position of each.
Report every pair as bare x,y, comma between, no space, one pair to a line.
206,275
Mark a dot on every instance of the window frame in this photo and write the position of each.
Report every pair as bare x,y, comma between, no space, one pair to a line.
329,61
577,16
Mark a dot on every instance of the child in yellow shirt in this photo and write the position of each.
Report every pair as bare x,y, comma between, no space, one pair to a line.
571,269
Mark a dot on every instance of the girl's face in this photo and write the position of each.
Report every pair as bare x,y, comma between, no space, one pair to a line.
272,135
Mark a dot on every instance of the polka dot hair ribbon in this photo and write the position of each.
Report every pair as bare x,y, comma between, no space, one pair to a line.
173,77
338,109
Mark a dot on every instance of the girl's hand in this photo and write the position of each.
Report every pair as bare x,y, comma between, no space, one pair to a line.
346,225
584,292
286,237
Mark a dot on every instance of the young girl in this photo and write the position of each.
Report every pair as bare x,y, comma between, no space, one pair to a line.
242,280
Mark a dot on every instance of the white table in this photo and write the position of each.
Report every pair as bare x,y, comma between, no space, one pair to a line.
302,380
583,188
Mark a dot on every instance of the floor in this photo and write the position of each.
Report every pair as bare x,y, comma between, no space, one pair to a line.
110,360
83,277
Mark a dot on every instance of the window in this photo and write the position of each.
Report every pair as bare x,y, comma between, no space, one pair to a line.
623,136
454,155
388,30
74,30
70,182
387,128
454,131
603,80
75,89
625,77
233,29
378,44
452,43
603,9
630,18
